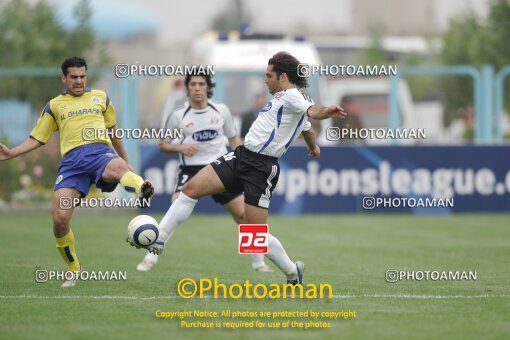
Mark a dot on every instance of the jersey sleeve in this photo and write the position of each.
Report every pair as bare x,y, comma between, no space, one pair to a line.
298,102
45,126
307,125
172,122
109,114
229,127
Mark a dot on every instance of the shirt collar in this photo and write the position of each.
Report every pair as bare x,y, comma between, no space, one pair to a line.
87,89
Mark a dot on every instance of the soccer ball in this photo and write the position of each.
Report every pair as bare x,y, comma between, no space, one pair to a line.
143,230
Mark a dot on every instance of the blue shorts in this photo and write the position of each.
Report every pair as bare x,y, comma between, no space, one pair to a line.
83,166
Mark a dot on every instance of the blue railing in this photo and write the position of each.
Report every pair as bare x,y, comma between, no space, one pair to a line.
123,93
488,95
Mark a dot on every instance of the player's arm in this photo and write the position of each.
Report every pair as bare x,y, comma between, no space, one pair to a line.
234,142
229,128
117,144
28,145
317,111
110,121
188,150
40,134
313,148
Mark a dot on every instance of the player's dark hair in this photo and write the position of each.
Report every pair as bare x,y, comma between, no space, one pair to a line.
208,80
283,62
73,62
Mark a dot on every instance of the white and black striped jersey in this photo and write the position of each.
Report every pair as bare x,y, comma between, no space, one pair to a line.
207,128
279,123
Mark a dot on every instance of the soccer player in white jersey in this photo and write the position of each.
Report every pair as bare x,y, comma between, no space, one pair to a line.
253,168
204,124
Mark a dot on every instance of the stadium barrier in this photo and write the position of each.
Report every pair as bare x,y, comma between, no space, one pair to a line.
473,178
488,95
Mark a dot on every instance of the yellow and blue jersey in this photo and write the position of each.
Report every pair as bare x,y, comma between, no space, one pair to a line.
71,115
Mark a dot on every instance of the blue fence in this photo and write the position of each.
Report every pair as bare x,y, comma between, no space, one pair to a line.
476,177
123,92
488,95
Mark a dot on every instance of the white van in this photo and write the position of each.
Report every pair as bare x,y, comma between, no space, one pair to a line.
368,99
240,64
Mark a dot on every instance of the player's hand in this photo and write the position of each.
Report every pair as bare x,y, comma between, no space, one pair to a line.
336,111
315,153
5,153
188,150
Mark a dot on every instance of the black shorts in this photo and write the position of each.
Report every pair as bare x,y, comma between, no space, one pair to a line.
187,172
251,172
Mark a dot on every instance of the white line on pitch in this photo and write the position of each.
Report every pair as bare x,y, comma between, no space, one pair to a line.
410,296
172,297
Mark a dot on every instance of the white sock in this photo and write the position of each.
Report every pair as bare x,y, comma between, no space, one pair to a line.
257,260
180,210
279,257
152,257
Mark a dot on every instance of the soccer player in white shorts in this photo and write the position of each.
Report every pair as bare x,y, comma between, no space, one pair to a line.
205,124
253,168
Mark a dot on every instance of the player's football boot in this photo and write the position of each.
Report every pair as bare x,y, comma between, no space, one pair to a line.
146,265
146,192
155,248
263,269
70,278
300,266
132,243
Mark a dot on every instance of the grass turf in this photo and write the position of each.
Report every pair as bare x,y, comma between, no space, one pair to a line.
349,252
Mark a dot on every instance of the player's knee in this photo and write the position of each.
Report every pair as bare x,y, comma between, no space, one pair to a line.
116,168
174,197
122,166
190,189
238,216
61,219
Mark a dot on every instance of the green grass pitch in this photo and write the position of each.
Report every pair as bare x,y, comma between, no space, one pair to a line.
350,252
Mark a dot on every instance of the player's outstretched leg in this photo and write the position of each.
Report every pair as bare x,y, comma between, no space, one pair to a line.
117,170
62,211
236,209
150,259
205,182
276,252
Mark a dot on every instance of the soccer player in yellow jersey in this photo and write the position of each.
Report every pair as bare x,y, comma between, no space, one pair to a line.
80,114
